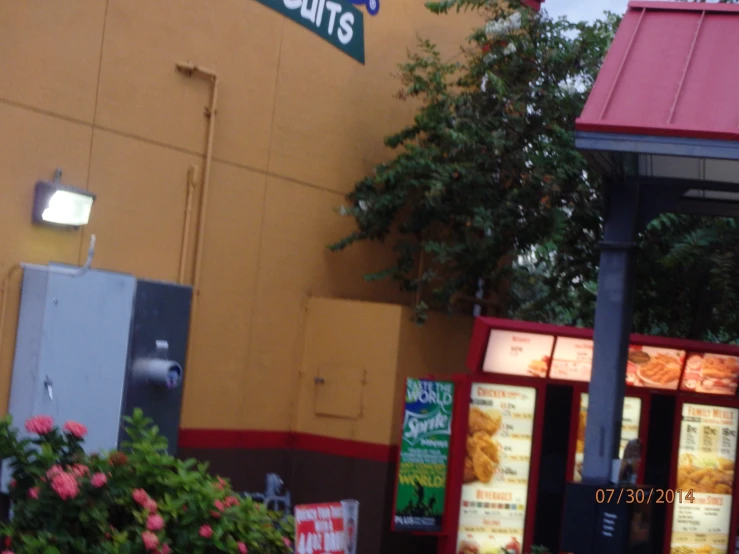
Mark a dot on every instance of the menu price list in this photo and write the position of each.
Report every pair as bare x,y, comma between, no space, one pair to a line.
514,353
630,420
572,360
706,463
493,505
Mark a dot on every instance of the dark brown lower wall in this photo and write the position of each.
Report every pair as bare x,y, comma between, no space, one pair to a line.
313,477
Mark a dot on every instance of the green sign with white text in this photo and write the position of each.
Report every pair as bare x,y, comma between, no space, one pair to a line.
424,455
334,21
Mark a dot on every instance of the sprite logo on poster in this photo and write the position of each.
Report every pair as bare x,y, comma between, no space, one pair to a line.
424,453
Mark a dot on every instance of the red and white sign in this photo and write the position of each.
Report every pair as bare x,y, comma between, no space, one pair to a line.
329,528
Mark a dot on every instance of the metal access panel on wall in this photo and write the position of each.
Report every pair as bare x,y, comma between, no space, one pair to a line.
71,353
159,338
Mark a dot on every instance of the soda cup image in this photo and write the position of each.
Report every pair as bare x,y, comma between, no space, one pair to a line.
351,523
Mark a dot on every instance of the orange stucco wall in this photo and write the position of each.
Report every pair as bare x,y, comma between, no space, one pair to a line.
90,86
361,353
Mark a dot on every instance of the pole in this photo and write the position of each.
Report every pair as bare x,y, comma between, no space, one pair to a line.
613,314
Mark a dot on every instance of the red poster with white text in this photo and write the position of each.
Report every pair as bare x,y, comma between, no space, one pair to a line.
326,528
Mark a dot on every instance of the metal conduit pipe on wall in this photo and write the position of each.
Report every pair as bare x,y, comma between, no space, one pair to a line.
191,70
192,183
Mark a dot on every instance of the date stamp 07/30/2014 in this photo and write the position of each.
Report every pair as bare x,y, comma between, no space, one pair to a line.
644,496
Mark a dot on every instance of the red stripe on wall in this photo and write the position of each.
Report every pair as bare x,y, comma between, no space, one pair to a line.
265,440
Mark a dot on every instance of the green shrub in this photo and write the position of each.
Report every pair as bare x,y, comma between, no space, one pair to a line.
136,501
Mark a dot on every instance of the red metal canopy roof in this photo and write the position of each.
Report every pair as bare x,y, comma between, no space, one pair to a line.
669,72
534,4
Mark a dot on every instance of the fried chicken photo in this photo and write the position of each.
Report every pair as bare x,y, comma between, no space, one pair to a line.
487,445
483,466
481,421
469,471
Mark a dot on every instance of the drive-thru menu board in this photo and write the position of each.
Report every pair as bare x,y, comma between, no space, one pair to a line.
516,353
629,429
711,374
572,359
647,366
705,477
654,368
496,471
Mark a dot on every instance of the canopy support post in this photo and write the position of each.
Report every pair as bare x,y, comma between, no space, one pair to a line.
613,315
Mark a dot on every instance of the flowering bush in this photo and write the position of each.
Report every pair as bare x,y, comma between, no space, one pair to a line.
138,501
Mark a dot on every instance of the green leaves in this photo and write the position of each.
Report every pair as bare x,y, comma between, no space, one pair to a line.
488,168
116,494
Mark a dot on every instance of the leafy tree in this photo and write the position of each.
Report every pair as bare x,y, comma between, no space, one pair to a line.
488,201
488,169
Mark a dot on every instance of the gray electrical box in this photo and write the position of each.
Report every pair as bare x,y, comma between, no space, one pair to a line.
93,346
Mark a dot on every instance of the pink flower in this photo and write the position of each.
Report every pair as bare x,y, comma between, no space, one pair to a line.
40,425
242,548
287,542
79,470
140,496
33,493
221,484
151,541
8,552
216,515
155,522
150,505
98,480
77,430
53,471
232,501
220,506
65,485
206,531
166,549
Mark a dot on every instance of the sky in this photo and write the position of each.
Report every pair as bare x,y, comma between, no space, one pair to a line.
584,10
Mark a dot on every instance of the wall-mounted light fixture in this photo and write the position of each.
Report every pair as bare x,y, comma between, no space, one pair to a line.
60,205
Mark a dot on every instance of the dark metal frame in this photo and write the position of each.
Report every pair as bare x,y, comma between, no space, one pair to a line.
630,203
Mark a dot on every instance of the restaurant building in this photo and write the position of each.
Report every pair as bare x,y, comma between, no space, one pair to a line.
295,363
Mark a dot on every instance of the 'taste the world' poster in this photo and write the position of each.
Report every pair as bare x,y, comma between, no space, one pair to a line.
424,453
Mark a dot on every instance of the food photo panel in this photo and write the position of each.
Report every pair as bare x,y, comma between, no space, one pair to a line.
514,353
496,471
711,374
654,368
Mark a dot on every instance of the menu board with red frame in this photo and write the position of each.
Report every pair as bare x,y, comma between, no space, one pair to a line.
711,374
492,515
654,368
630,426
702,505
647,366
572,359
514,353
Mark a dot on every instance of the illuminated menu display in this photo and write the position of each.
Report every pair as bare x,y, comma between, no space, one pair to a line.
711,374
630,422
705,475
492,513
654,368
650,367
572,360
513,353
